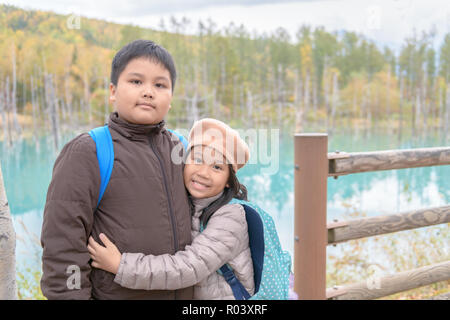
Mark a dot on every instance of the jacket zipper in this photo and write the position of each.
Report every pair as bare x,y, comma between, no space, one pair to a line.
171,214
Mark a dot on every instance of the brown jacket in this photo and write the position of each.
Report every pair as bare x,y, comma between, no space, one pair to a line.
225,240
144,209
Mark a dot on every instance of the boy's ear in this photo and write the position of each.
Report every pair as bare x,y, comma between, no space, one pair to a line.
112,92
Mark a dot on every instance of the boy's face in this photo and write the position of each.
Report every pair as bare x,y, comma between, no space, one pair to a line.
143,92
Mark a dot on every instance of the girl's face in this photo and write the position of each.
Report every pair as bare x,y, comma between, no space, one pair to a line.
206,172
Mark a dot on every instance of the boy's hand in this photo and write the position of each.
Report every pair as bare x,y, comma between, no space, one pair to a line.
106,258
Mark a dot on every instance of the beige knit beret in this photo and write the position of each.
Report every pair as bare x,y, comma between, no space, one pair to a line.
221,137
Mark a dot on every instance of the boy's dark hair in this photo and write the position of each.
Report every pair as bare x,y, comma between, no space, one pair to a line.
139,49
236,190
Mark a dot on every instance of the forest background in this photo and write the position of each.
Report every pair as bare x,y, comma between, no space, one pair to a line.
54,76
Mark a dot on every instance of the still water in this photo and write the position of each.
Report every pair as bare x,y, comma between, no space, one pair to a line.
27,172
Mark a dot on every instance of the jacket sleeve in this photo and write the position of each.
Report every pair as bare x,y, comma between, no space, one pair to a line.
68,216
221,241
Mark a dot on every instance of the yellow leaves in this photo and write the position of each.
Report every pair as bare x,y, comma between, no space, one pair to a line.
28,285
306,59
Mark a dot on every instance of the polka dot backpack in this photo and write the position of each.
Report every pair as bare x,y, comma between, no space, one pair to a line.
272,265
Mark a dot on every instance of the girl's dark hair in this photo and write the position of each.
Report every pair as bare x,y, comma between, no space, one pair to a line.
139,49
236,190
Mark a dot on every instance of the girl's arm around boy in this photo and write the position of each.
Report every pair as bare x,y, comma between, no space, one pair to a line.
224,238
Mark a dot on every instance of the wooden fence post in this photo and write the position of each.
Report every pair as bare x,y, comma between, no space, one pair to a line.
8,289
310,222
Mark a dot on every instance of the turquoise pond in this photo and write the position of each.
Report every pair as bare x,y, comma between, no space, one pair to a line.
27,172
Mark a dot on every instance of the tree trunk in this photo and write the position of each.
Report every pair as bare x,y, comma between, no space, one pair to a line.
249,119
280,100
35,113
369,111
8,288
315,97
8,111
447,115
87,98
3,110
68,98
440,113
234,106
306,98
400,127
354,110
425,107
334,100
325,96
17,128
52,104
298,98
388,96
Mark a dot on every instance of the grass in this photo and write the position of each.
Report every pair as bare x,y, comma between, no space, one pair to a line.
28,278
28,285
357,260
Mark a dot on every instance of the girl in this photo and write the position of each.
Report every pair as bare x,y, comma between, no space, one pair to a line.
214,155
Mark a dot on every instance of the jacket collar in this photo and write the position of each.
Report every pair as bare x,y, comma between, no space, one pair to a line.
200,204
133,131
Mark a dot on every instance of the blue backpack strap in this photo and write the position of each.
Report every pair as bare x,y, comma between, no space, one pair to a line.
238,289
256,242
105,155
181,137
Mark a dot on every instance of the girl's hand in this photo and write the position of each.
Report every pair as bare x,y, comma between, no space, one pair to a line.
106,258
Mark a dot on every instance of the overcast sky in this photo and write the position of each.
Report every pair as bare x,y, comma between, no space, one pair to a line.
388,22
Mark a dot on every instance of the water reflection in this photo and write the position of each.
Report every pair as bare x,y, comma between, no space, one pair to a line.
27,173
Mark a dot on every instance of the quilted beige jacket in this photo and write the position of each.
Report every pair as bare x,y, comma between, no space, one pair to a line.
224,240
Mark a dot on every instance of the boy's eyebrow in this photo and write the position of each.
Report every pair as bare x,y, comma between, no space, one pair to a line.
142,76
162,78
136,74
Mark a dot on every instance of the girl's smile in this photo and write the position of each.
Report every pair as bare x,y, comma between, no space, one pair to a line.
198,185
205,172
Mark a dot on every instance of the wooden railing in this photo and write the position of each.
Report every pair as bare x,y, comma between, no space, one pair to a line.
313,165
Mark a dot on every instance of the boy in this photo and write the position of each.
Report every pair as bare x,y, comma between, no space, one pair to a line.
145,206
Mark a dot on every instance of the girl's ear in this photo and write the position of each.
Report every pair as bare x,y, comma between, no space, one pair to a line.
227,185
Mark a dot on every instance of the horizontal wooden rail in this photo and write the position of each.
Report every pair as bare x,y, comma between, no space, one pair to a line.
387,285
341,163
367,227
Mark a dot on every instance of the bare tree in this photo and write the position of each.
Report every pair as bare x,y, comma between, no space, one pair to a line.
334,100
35,108
17,128
447,115
52,106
